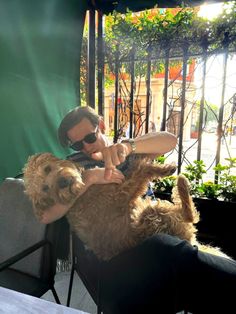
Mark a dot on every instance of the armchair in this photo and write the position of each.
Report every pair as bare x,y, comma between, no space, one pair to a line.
28,249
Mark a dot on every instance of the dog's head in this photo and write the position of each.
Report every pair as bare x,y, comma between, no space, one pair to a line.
50,180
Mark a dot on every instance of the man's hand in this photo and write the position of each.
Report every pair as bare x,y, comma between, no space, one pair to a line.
53,213
97,176
113,156
91,176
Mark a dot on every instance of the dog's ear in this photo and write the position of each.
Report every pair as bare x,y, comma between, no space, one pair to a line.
33,165
80,169
32,160
30,167
35,160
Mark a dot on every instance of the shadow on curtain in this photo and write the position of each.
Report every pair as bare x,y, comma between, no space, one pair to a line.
39,80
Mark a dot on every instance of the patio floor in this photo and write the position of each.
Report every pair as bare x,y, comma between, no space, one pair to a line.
80,298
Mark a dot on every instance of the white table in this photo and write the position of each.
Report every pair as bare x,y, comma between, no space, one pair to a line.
12,302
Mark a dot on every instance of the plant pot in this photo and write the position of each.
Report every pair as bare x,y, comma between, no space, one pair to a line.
217,222
162,196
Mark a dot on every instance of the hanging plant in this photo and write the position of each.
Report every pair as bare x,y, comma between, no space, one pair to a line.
170,29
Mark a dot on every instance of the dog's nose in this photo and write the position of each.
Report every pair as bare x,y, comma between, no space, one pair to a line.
63,182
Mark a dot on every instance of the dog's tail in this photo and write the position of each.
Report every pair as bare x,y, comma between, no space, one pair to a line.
181,194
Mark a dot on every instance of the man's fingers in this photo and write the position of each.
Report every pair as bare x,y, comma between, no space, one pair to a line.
114,155
116,177
107,173
108,158
121,152
118,181
118,174
122,156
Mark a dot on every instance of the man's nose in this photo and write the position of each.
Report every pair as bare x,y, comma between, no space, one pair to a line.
86,146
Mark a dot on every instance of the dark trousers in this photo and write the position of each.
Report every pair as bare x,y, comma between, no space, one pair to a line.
166,275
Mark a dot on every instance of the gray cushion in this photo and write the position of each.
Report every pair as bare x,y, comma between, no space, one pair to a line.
19,229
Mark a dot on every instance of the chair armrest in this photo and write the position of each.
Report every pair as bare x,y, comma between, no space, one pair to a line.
12,260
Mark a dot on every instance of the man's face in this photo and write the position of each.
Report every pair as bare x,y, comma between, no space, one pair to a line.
83,128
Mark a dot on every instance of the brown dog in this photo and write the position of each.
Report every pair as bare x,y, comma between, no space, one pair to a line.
111,218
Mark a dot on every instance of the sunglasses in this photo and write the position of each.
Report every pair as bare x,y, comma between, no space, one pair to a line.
89,139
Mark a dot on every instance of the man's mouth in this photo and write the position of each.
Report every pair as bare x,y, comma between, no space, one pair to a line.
92,152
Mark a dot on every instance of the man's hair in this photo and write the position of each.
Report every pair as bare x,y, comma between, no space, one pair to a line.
74,117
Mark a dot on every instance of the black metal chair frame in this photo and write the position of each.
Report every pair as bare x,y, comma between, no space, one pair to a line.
12,260
95,295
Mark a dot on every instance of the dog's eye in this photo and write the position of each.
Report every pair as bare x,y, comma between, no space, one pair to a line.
47,169
64,182
45,188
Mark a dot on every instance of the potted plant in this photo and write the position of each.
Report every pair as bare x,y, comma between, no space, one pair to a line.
216,202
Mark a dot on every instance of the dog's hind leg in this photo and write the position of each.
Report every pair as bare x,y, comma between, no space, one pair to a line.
142,173
181,194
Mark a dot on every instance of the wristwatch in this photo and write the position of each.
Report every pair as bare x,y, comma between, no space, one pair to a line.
132,144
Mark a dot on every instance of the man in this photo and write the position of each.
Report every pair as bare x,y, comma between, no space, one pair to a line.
163,274
84,131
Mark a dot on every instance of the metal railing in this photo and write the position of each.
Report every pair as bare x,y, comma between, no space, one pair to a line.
180,103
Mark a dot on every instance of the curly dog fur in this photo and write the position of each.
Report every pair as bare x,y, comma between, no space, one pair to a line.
111,218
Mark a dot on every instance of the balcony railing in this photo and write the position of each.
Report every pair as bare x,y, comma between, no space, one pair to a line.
177,100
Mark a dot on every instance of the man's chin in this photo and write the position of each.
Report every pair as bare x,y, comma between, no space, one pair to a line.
96,155
89,154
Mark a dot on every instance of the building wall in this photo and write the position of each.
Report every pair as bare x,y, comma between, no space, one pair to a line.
156,109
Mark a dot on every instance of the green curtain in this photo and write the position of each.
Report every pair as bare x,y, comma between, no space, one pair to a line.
39,76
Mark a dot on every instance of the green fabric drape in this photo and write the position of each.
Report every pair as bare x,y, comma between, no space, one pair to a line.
39,75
